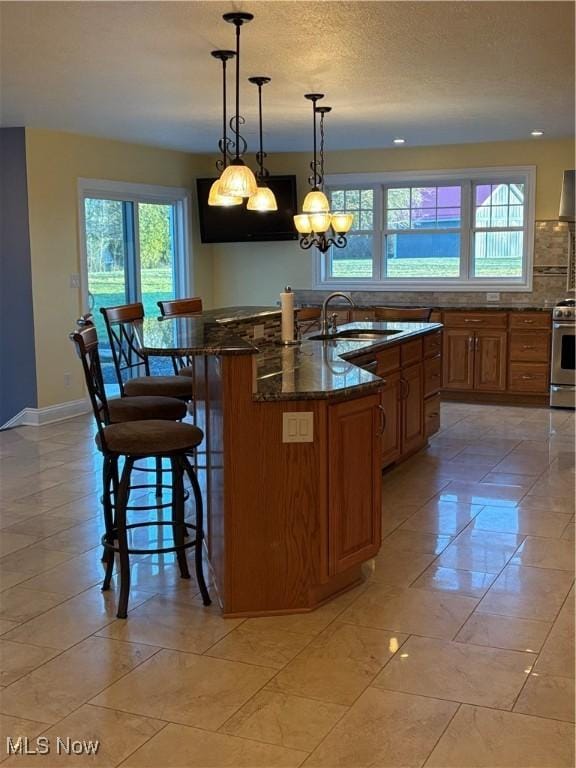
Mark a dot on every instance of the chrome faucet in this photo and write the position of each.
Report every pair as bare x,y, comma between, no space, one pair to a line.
325,323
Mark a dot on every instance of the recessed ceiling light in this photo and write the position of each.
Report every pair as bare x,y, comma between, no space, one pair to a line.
537,132
399,140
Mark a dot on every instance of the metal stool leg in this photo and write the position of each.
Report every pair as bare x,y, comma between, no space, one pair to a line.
108,554
158,478
121,503
178,514
199,530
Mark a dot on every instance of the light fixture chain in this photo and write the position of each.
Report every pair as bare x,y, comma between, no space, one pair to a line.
320,181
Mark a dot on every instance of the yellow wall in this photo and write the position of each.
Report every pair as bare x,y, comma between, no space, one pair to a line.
54,163
256,273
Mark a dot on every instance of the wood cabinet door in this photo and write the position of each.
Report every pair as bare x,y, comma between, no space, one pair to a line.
354,482
458,359
413,428
490,360
391,419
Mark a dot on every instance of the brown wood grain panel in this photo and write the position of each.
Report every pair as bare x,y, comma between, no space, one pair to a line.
529,320
392,414
529,377
458,359
432,414
490,360
413,434
474,320
432,344
432,375
530,346
411,352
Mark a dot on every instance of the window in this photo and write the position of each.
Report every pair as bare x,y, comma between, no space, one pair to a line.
134,247
458,230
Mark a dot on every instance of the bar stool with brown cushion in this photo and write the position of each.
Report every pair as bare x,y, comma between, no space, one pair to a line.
183,366
133,440
402,314
121,326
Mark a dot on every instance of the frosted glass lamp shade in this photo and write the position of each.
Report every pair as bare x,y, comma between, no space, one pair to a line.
320,222
341,222
262,200
216,198
316,202
237,180
302,224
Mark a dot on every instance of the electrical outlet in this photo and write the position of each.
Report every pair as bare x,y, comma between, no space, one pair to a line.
75,281
258,332
298,427
67,379
493,296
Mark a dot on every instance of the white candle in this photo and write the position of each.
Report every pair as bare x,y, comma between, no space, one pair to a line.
287,304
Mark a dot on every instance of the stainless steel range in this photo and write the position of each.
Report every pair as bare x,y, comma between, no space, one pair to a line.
562,375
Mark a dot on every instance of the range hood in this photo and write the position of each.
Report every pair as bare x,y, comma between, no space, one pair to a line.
567,202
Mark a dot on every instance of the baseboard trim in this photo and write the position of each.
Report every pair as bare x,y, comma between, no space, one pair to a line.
38,417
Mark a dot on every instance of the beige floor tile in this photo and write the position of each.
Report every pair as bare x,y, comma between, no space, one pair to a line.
180,747
12,542
6,626
395,514
74,576
459,491
397,569
558,653
9,580
414,541
265,647
289,721
72,621
185,688
414,611
339,664
547,696
545,553
521,522
482,551
18,659
508,478
42,526
442,517
486,738
21,604
61,685
116,733
80,538
451,581
384,729
504,632
171,624
569,533
33,560
547,504
522,464
14,728
458,672
527,593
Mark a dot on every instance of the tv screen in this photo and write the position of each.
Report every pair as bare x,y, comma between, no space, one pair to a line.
236,224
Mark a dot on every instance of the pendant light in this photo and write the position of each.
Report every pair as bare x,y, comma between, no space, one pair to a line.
263,199
215,197
237,179
317,220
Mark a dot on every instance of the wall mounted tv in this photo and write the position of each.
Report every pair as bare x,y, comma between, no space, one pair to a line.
238,225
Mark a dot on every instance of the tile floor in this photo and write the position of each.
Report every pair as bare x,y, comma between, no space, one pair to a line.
457,652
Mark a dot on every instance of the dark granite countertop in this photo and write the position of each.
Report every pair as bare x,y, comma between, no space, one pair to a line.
325,369
190,335
441,307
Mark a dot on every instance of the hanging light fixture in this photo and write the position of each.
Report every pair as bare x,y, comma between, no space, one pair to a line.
317,220
237,179
263,199
215,197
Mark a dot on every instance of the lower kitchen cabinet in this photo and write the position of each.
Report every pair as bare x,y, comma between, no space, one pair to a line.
458,359
413,432
490,360
354,494
392,419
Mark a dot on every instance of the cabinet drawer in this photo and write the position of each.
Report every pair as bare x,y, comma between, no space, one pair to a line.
475,320
432,344
411,352
530,347
388,360
432,415
530,320
528,377
432,375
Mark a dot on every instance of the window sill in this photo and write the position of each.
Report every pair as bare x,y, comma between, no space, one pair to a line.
424,286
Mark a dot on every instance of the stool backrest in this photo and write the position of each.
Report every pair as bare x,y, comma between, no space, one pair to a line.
401,314
121,324
173,307
85,339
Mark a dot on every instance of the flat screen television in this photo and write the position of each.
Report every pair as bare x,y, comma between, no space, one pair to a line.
238,225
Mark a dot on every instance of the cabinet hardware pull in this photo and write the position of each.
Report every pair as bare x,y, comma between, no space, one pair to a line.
382,419
476,342
527,322
472,320
527,346
470,341
527,377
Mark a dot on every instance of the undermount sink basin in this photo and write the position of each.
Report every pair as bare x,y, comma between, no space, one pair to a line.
354,334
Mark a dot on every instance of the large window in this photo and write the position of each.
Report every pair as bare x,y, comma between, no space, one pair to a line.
463,230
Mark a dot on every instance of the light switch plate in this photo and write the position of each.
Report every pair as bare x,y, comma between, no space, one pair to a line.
495,296
298,427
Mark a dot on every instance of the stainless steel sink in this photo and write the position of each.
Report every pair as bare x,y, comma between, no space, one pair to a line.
354,334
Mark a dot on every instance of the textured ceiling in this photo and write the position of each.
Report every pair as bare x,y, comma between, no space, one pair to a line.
433,72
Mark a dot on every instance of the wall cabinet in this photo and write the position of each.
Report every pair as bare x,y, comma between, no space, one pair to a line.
354,494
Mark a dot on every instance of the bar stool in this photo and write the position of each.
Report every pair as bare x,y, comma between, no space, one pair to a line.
133,440
403,314
183,365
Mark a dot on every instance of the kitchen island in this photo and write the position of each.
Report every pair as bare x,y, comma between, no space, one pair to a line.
293,439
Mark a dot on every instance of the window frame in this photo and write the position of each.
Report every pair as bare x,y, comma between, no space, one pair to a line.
127,192
466,177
